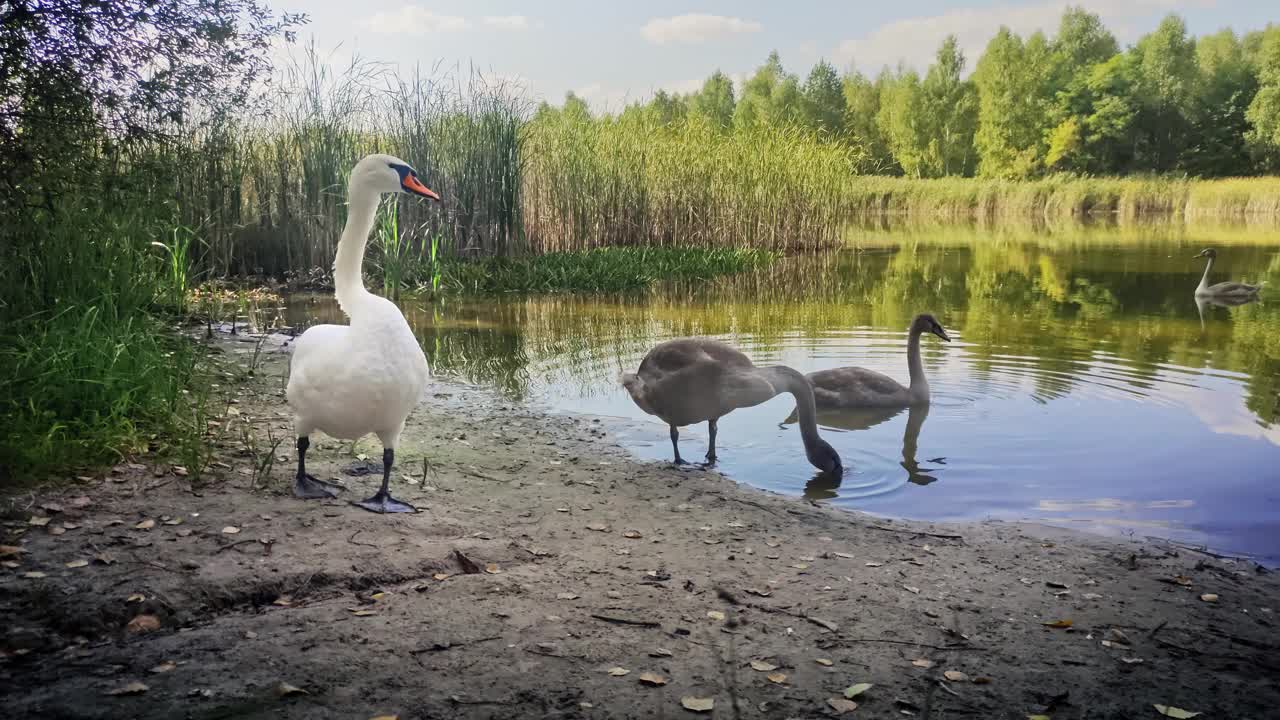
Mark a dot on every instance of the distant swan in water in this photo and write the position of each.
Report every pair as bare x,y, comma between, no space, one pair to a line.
1222,289
695,380
853,387
365,377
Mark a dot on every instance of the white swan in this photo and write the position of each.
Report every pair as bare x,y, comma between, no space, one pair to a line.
351,380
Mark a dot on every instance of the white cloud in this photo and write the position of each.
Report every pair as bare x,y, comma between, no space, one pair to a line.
695,28
507,22
915,40
414,20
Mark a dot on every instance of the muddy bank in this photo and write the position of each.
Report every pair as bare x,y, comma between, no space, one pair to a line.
549,575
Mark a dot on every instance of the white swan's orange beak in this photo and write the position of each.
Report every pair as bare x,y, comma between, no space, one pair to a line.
411,184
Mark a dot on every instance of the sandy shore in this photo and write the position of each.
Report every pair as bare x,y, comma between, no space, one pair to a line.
550,575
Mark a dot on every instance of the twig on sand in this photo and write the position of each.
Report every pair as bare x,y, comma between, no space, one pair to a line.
1157,628
946,687
441,647
626,621
944,536
825,624
915,644
228,546
352,539
475,474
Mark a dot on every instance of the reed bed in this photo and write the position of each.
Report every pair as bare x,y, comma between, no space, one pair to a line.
628,181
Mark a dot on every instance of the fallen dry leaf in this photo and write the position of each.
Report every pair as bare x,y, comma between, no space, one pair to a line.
823,661
922,663
874,564
955,676
133,688
230,530
283,601
1058,624
78,563
697,704
844,555
618,671
763,666
854,691
1091,596
385,717
1175,712
715,615
1209,598
145,524
911,589
439,576
163,667
135,597
801,566
284,689
10,550
652,679
842,706
659,652
55,530
33,575
492,569
567,596
632,534
173,521
143,624
598,527
778,678
360,612
39,520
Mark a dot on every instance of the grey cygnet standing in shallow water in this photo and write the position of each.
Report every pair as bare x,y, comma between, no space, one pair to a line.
853,387
695,380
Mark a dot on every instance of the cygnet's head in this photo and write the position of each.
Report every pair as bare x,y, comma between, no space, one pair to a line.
1207,252
925,323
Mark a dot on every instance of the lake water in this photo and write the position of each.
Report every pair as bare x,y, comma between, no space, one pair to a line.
1084,386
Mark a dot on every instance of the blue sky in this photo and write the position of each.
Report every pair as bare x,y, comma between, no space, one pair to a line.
610,53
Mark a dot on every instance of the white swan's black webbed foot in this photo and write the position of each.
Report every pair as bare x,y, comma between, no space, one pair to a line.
382,502
308,487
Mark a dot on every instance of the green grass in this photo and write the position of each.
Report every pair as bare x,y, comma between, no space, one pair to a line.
599,270
89,370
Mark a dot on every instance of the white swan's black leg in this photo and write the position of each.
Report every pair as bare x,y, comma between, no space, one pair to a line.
675,445
711,450
382,502
307,486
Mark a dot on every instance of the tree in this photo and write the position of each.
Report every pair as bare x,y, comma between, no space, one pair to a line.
901,121
1098,133
1263,139
1219,124
951,112
666,108
77,73
753,108
1015,102
824,101
862,106
1167,75
715,101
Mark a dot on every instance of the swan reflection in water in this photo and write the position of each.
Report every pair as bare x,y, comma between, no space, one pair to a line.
824,486
1204,301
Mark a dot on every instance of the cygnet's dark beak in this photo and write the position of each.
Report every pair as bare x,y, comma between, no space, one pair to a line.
937,330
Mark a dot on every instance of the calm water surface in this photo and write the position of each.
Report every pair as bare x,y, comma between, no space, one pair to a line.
1084,385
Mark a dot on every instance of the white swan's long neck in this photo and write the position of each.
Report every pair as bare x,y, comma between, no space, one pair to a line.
919,385
1204,279
348,282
